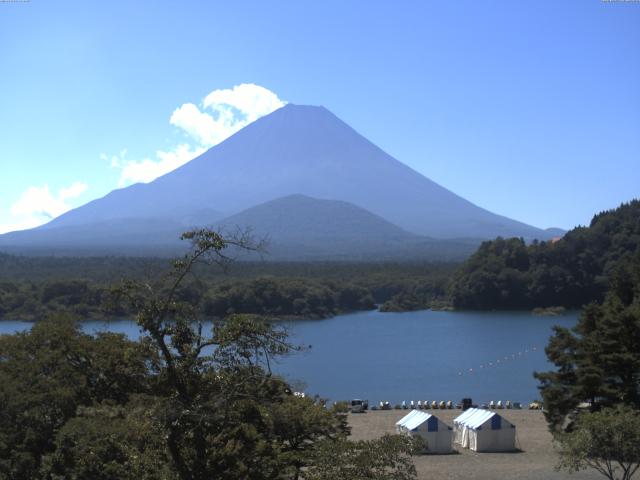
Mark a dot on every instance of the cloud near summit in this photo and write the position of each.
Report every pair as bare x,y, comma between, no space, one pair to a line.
220,114
38,204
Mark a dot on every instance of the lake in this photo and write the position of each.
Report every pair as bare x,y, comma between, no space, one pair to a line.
422,355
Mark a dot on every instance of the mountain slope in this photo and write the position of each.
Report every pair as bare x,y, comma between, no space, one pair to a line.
131,236
295,150
305,220
297,227
300,227
307,150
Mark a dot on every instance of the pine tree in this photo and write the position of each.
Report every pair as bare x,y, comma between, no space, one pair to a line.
599,360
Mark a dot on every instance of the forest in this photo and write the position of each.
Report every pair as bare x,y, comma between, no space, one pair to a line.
34,287
569,272
501,274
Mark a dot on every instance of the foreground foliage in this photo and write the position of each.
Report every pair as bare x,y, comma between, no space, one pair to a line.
388,458
607,441
180,403
47,374
592,399
599,360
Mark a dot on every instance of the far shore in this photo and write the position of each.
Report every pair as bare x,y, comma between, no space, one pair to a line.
549,311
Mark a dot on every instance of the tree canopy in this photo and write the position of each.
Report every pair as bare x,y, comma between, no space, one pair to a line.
607,441
33,288
592,398
569,272
598,361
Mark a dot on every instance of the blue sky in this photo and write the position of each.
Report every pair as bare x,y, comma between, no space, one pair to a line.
529,109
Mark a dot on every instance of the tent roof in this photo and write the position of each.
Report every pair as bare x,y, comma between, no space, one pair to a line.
475,417
414,419
464,415
406,417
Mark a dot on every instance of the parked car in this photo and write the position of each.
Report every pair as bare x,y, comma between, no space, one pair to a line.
359,406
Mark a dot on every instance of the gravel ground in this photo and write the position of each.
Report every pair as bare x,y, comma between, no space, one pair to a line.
535,460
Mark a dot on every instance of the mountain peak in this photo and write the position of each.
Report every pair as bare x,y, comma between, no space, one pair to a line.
295,107
300,117
300,149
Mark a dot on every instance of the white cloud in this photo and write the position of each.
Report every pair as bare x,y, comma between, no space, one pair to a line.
201,126
252,101
74,190
221,114
147,169
38,205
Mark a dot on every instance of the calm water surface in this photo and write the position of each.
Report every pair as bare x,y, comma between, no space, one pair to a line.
421,355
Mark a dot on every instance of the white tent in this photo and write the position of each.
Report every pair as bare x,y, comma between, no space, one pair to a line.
436,433
458,424
484,431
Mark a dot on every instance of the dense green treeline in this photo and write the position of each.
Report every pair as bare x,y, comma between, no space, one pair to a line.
302,298
570,272
502,274
30,301
287,290
268,296
111,269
